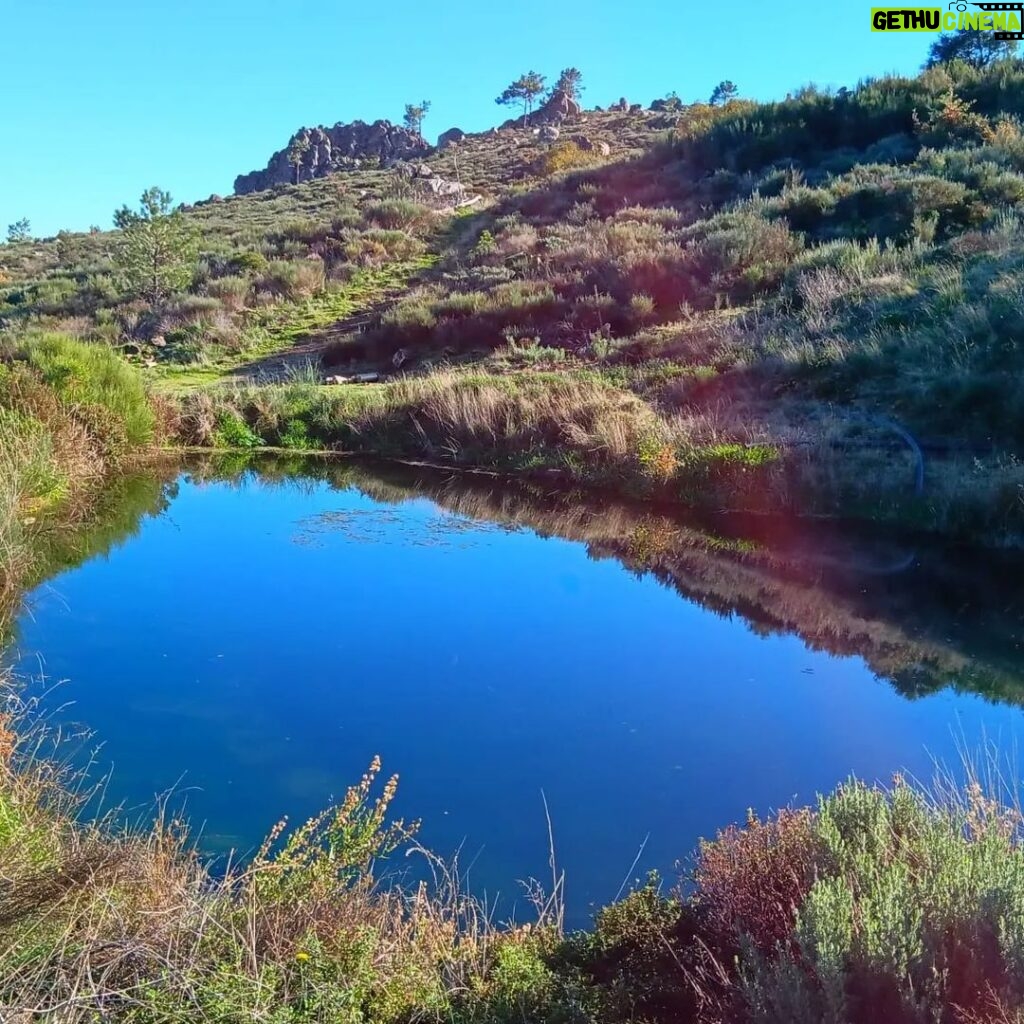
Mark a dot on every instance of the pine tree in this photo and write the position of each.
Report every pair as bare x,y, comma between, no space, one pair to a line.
524,90
723,93
414,114
157,250
19,231
570,82
979,49
297,149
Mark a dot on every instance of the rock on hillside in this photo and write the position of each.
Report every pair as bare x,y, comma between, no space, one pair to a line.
558,107
343,147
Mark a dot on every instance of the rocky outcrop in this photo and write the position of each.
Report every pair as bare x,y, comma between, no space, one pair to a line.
343,147
430,188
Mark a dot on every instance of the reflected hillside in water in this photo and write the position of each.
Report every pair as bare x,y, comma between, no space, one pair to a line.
922,615
101,522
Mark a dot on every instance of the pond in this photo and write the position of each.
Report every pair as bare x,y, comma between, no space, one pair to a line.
247,639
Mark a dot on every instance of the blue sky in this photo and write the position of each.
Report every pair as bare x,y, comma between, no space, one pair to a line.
107,97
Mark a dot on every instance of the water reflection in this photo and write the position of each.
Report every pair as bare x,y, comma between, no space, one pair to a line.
252,632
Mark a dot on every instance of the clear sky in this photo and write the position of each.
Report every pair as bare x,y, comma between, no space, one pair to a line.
107,97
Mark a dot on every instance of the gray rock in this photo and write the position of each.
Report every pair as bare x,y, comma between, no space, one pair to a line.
560,106
450,137
442,186
343,147
549,133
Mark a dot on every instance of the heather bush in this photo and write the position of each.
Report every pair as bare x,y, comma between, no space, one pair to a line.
292,279
232,292
400,214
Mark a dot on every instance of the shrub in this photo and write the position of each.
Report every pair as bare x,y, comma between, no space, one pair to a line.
564,156
293,279
249,262
233,432
91,380
377,246
232,292
398,213
752,881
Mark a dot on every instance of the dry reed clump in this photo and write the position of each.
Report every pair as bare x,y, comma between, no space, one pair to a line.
510,419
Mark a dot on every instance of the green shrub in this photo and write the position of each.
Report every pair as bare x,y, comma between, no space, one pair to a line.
249,262
233,432
232,292
88,377
293,279
400,214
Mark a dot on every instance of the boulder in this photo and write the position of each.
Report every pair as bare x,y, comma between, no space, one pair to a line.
560,106
622,106
442,186
549,133
582,142
450,138
357,378
603,148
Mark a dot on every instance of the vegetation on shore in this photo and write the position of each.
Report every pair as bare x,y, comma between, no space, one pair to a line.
70,412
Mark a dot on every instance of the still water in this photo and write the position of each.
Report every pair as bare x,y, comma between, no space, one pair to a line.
250,641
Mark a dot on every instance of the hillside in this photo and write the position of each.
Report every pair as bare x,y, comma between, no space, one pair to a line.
811,304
